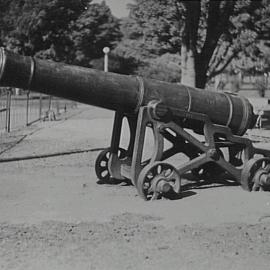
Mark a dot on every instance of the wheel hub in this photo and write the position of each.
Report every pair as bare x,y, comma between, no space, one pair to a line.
160,185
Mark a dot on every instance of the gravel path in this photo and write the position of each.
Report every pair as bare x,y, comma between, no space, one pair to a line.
54,215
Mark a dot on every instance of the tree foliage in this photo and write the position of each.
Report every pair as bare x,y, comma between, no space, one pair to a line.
95,29
207,33
62,30
42,27
139,56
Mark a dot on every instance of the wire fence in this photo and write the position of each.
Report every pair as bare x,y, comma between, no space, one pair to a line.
20,109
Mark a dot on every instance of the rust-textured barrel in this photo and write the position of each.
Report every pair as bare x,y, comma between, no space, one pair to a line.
121,92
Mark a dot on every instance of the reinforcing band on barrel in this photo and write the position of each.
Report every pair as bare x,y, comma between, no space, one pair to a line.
231,109
245,123
141,93
32,70
2,61
189,101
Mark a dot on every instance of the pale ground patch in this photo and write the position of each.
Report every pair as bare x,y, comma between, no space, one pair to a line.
53,214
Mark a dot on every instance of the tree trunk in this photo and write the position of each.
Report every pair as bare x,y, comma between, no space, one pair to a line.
195,64
189,42
188,75
201,72
194,71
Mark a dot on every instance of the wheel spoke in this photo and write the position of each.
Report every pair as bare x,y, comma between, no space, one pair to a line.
104,174
155,196
103,164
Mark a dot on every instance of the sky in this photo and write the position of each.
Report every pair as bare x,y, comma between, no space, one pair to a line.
118,7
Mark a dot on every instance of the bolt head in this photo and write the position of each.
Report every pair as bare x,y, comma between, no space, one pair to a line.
213,153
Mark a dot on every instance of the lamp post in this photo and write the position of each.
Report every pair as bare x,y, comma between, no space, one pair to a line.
106,51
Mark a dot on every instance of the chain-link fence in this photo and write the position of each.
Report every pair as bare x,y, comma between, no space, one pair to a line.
22,108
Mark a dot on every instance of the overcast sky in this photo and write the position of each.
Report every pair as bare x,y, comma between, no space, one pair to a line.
118,7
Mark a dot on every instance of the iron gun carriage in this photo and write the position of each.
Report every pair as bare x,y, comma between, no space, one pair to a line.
206,127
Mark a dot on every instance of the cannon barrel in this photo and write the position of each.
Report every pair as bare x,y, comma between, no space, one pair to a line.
122,92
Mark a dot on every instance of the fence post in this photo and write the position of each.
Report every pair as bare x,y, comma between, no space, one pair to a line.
8,105
50,103
40,106
27,107
57,106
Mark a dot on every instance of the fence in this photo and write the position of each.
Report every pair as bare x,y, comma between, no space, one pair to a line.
22,109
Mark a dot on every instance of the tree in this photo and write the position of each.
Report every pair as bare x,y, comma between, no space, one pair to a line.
42,27
134,55
9,10
95,29
211,33
71,31
155,24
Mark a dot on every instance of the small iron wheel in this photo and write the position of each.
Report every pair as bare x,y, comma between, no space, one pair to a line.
101,165
255,173
158,180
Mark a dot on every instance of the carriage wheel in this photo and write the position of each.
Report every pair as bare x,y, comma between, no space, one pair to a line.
158,180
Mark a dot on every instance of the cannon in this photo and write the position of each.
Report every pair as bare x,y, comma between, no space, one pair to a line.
206,127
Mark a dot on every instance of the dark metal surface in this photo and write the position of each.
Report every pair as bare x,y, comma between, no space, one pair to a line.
127,93
106,90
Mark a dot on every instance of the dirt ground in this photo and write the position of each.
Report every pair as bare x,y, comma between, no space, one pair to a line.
54,214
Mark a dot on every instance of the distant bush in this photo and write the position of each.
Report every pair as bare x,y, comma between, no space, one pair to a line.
164,68
117,64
